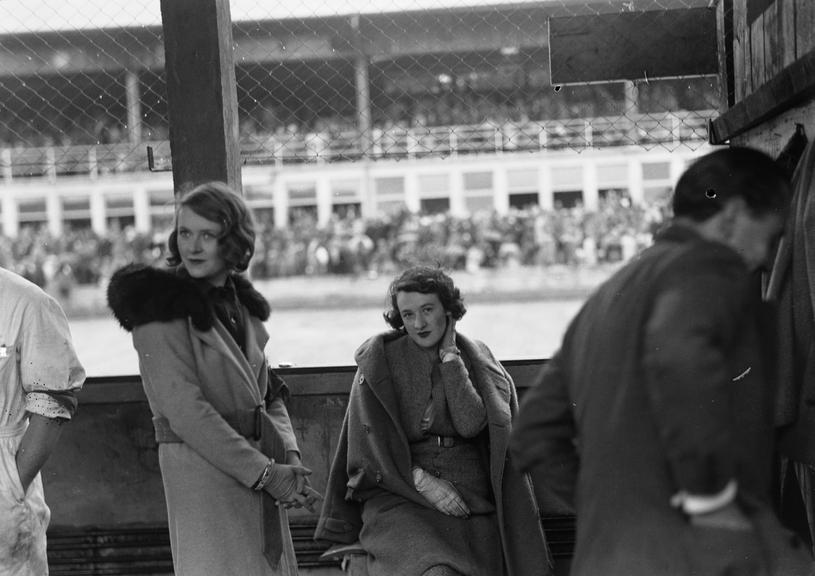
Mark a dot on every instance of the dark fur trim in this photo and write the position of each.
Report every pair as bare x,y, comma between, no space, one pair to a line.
251,298
140,294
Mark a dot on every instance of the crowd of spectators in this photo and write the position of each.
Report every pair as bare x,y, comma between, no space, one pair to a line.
53,126
352,245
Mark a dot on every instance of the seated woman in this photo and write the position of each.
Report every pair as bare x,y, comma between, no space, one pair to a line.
421,476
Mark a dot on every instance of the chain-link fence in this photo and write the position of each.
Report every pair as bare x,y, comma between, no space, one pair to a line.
486,107
82,87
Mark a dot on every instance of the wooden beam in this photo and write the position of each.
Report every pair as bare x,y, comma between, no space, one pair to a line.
724,25
790,87
633,45
787,8
201,94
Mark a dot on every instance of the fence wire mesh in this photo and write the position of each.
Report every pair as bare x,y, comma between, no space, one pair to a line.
82,87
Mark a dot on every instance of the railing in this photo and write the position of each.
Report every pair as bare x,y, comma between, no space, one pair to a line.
670,130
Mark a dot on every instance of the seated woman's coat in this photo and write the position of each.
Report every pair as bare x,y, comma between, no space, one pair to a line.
370,495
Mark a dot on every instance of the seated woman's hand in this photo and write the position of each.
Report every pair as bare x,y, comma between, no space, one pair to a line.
441,494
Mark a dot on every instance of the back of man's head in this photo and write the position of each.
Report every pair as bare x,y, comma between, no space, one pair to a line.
714,179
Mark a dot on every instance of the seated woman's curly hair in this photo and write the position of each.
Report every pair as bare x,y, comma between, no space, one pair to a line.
217,202
425,280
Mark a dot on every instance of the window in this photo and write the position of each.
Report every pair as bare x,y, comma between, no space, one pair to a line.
435,205
522,186
33,211
434,185
568,199
478,192
392,186
304,194
606,193
347,210
76,212
389,194
298,214
162,208
521,201
477,181
656,170
612,175
569,177
345,191
302,202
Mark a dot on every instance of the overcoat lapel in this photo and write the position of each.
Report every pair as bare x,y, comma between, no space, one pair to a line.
258,337
377,376
219,339
489,382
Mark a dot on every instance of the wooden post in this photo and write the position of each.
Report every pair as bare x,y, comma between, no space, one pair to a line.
133,101
201,94
362,87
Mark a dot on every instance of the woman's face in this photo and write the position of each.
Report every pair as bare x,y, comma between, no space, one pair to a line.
424,316
198,247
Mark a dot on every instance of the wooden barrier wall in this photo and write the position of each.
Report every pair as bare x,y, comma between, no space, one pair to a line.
767,42
104,485
767,70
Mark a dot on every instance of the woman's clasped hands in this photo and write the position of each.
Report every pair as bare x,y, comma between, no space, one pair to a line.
288,484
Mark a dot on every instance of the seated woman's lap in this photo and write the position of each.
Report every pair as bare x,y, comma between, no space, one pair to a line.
402,538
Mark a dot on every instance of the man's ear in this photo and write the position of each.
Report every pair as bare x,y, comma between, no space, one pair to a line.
729,214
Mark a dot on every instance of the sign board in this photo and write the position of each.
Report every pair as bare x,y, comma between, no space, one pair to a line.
632,45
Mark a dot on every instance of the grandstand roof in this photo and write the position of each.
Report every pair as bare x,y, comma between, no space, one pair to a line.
22,16
27,16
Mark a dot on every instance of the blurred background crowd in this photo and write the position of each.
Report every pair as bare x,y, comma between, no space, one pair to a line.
105,122
533,236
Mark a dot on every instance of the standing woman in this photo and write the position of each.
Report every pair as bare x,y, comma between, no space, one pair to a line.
421,477
227,450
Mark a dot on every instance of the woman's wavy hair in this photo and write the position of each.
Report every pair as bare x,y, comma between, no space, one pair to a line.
217,202
425,280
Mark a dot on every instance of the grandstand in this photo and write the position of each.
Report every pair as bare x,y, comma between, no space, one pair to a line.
439,130
374,112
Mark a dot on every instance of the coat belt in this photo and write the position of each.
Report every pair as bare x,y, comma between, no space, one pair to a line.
246,422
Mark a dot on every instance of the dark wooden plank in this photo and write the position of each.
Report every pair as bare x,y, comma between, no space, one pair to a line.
633,45
787,89
201,93
759,72
805,26
787,16
724,37
741,50
772,38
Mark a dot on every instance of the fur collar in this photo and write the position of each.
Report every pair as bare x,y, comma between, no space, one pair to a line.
140,294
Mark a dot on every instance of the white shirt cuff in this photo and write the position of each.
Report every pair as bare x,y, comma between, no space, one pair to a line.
695,504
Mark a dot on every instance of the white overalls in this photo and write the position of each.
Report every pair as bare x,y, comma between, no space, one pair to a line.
39,372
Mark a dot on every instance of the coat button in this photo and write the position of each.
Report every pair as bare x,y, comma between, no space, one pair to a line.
379,477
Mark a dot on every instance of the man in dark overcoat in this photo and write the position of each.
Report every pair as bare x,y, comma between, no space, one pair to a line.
660,393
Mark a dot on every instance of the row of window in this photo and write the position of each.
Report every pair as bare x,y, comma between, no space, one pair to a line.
432,187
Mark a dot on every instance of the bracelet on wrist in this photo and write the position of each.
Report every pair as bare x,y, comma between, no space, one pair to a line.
264,476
